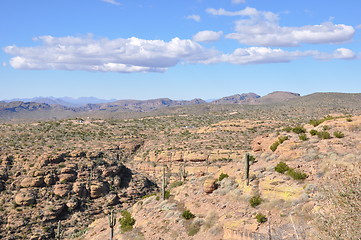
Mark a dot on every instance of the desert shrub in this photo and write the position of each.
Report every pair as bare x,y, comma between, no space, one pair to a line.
287,129
348,119
167,194
313,132
126,221
188,215
315,123
325,128
255,201
295,174
175,184
298,130
338,134
282,167
282,139
303,137
261,218
223,176
274,146
324,135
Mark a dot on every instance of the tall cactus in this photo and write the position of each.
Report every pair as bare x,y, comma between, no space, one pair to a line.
112,221
247,160
59,231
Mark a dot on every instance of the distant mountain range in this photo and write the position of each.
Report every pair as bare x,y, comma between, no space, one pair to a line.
60,108
146,105
64,101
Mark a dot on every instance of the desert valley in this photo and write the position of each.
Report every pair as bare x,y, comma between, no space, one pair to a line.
281,166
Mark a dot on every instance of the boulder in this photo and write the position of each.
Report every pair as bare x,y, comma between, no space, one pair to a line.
62,189
112,199
98,189
80,190
32,182
50,180
25,197
67,177
209,185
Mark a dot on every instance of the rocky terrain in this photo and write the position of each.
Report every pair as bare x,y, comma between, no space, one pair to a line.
75,172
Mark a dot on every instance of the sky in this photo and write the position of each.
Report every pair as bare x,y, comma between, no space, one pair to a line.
180,49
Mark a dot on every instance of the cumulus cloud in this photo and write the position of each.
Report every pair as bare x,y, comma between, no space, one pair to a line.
139,55
258,55
262,28
207,36
112,2
118,55
196,18
340,53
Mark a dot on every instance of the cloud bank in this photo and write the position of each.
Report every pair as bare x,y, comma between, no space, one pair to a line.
139,55
262,28
118,55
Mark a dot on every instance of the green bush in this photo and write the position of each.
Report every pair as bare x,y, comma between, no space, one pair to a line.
324,135
303,137
126,221
188,215
261,218
315,123
313,132
287,129
348,119
222,176
338,134
325,128
255,201
282,167
298,130
167,194
282,139
175,184
274,146
297,175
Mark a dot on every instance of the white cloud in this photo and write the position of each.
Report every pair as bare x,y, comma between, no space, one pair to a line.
358,26
118,55
207,36
340,53
262,28
4,64
112,2
258,55
238,1
221,12
139,55
196,18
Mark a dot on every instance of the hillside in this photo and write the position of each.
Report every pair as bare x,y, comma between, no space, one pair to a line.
78,170
288,104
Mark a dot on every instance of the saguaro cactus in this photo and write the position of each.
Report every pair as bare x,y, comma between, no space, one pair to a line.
112,221
247,160
59,231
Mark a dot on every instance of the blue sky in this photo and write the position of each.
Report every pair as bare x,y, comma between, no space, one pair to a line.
181,49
